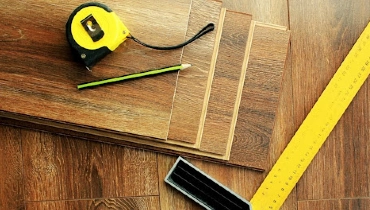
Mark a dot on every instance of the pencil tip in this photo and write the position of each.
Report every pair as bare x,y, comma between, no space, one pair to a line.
184,66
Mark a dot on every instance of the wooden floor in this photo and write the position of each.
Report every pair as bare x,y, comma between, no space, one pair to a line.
46,171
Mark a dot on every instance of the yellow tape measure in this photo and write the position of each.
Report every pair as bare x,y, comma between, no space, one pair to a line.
316,127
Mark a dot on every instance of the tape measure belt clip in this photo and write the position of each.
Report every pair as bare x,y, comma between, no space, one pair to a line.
93,28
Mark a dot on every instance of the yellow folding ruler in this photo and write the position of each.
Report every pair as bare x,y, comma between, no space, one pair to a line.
316,127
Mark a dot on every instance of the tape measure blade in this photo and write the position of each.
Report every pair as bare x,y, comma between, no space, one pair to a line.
317,126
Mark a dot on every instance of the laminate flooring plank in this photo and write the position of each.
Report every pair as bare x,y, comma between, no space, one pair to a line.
62,168
276,12
192,83
141,172
11,174
340,169
227,83
338,204
38,70
260,96
127,203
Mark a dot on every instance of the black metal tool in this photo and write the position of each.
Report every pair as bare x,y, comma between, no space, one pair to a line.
203,189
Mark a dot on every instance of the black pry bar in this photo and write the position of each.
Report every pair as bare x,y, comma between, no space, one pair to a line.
203,189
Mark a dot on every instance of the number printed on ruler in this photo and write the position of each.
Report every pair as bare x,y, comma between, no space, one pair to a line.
317,126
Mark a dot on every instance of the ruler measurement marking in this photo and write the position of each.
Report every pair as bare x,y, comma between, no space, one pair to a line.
317,126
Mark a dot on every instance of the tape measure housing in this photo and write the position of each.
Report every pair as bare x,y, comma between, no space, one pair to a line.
93,31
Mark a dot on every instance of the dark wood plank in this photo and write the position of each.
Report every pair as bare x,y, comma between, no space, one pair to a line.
11,174
227,83
37,68
75,169
191,84
140,172
128,203
340,168
284,128
275,12
339,204
260,96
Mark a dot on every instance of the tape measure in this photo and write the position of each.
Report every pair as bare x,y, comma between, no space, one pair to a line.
93,31
316,127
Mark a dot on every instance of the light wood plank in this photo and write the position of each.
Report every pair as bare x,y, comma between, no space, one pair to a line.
127,203
11,174
227,83
191,84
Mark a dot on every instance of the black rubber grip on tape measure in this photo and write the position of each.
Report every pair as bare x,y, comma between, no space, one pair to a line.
203,189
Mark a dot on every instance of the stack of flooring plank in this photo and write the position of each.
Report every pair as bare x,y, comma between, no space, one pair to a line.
221,109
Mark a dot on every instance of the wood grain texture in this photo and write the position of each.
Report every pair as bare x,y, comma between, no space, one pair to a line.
37,69
260,96
127,203
98,111
227,80
76,169
11,174
275,12
191,84
284,129
339,204
287,120
340,168
270,11
271,87
332,165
